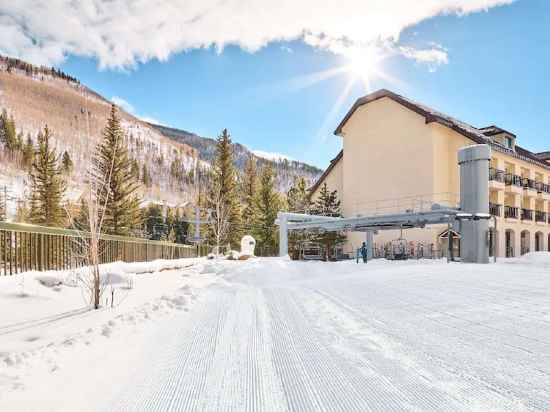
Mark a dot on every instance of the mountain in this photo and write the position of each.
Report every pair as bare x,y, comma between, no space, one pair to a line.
286,169
76,115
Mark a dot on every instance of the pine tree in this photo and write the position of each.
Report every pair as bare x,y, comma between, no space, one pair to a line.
47,185
298,202
298,196
113,167
67,163
249,190
327,204
3,204
224,183
28,152
268,203
154,222
145,176
135,169
19,141
180,227
7,131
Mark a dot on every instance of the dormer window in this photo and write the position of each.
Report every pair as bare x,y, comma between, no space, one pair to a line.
509,142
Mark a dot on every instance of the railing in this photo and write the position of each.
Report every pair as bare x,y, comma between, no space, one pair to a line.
496,175
28,247
511,179
526,214
540,216
495,209
406,204
511,212
542,187
528,183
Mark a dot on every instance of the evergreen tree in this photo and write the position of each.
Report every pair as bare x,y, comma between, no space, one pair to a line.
268,203
176,169
67,163
7,131
154,222
180,227
3,204
28,152
19,141
145,176
113,167
249,190
298,196
224,182
298,202
47,185
135,169
327,204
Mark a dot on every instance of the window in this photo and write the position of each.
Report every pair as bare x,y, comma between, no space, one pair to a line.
509,142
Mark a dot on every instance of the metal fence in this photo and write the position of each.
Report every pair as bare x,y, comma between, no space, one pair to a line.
27,247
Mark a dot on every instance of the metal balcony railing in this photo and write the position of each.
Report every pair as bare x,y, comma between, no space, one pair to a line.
496,175
526,214
540,216
495,209
511,212
511,179
542,187
528,183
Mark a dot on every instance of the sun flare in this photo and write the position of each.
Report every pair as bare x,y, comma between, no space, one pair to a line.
364,65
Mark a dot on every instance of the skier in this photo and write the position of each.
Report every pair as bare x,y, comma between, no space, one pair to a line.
364,252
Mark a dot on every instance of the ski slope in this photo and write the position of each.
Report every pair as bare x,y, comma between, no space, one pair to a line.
275,335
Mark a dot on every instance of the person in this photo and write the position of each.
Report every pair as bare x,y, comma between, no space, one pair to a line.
364,252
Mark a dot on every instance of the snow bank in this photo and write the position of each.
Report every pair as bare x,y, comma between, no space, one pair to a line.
532,258
43,313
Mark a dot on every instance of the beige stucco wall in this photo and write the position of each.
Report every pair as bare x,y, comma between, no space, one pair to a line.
334,180
390,152
379,141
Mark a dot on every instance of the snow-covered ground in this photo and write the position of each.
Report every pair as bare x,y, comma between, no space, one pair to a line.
271,334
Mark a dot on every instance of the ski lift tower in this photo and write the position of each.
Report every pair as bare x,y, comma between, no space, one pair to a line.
197,239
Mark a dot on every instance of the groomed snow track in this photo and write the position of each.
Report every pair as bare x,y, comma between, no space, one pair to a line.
341,337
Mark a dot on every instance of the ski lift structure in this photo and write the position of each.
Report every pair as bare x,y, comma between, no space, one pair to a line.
311,251
471,216
398,248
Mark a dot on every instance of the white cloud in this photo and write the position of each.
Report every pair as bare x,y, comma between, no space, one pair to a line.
120,33
149,119
433,57
271,155
128,107
123,104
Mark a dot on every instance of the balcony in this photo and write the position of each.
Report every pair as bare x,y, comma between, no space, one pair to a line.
495,209
543,189
511,212
528,184
513,180
540,216
513,183
526,214
496,175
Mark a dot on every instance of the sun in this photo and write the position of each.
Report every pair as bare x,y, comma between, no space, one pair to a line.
364,64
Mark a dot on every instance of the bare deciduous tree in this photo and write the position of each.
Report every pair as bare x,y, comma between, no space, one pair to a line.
87,246
220,224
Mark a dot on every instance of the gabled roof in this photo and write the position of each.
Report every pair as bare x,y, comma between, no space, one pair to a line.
331,166
480,136
493,130
429,114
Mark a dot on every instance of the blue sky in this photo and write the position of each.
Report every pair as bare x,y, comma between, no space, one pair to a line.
495,70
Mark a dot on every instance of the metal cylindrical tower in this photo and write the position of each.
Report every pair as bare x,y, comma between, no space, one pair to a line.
474,199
